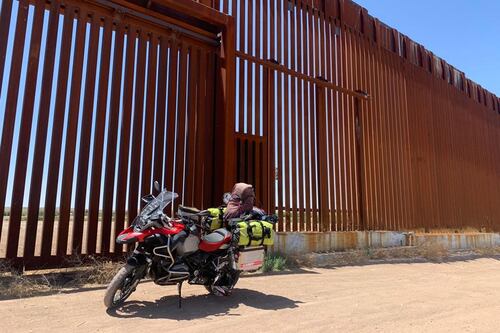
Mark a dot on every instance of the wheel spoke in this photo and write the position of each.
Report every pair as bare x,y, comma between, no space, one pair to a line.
126,288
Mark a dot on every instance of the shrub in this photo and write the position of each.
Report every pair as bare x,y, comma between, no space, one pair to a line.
274,263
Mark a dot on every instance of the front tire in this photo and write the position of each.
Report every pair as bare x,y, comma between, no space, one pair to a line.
122,285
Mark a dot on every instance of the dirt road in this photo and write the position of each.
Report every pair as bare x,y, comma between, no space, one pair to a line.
419,297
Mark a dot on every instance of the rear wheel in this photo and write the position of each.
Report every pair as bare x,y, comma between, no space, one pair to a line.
225,284
122,285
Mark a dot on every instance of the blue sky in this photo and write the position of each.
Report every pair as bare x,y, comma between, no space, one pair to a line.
22,83
463,32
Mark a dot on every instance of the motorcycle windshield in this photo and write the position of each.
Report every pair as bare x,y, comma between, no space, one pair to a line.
157,205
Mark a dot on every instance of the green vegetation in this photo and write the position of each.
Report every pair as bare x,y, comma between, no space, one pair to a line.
274,262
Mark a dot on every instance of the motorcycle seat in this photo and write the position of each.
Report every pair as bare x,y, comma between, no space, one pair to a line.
216,237
215,240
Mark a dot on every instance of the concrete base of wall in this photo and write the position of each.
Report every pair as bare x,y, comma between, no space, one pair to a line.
302,243
463,241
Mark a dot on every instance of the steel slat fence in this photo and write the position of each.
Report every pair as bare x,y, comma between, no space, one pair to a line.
421,153
100,98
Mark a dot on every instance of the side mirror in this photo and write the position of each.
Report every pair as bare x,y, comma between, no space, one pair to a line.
226,198
156,186
147,198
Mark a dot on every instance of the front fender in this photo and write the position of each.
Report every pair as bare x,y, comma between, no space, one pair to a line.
140,262
137,259
127,236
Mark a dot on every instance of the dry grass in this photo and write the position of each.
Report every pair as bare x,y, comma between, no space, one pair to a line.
488,252
15,285
93,271
332,259
431,251
88,272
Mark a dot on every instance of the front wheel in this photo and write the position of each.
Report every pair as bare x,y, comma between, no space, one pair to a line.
122,285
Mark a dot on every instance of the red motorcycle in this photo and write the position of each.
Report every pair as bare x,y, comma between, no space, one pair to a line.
174,250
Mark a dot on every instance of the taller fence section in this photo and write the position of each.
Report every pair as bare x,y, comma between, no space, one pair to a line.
98,100
359,127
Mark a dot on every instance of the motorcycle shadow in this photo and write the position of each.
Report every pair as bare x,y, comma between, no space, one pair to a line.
199,306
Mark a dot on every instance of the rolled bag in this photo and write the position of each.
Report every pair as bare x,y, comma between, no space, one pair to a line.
250,233
216,218
255,233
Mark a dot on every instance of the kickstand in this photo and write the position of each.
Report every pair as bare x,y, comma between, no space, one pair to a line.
179,289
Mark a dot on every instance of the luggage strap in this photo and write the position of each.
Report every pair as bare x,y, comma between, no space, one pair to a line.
250,233
223,222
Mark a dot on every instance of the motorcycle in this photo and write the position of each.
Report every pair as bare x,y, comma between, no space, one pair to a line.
175,250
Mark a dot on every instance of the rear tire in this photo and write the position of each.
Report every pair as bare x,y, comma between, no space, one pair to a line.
124,282
228,282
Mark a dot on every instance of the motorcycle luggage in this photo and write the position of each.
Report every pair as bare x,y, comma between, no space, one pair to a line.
255,233
214,221
251,259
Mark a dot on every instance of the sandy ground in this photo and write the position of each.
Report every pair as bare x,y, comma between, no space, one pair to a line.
417,297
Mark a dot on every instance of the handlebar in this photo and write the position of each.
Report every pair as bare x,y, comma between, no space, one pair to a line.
203,213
